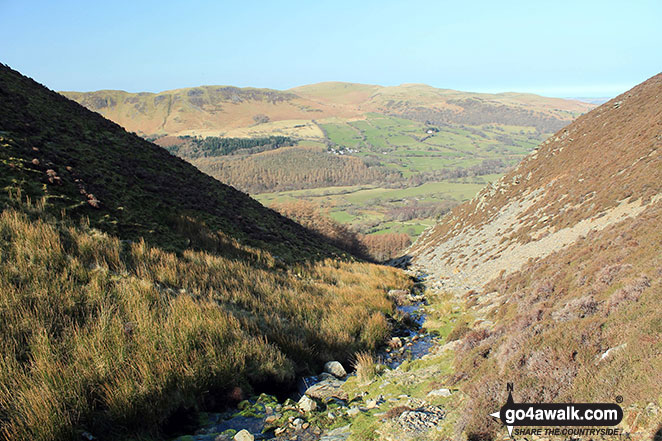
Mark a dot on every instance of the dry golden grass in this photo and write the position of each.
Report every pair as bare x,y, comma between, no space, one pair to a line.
112,337
365,365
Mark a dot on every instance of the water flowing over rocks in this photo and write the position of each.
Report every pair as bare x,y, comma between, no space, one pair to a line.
323,402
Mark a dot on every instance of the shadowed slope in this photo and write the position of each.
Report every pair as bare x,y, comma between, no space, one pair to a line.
91,167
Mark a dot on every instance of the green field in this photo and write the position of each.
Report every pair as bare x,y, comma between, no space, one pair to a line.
441,165
379,174
406,145
370,208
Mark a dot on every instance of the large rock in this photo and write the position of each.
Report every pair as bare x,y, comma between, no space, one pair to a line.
306,404
440,393
338,434
244,435
395,343
326,390
335,368
399,296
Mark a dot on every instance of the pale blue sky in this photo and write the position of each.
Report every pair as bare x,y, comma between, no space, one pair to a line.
556,48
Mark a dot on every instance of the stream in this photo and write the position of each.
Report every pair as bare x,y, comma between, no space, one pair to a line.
253,416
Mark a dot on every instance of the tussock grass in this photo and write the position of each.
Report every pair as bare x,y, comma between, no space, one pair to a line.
113,337
365,365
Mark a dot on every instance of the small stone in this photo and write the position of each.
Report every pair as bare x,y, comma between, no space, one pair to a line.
279,431
304,426
353,411
331,416
335,368
271,419
244,435
395,342
306,404
371,404
298,422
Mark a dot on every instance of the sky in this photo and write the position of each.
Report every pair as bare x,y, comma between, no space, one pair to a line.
555,48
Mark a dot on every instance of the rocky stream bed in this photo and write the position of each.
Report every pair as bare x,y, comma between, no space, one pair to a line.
335,404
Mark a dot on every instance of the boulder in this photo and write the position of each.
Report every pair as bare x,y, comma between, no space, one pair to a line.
440,393
335,368
244,435
327,390
395,342
399,296
306,404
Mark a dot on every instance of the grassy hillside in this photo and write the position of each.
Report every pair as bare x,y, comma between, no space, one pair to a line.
135,289
216,110
557,266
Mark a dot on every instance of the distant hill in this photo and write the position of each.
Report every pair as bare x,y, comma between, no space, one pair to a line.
232,111
136,290
559,263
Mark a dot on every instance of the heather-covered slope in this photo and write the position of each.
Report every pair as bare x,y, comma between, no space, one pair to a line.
603,167
557,267
90,167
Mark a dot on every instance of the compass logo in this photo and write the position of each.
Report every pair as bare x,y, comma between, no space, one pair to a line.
559,414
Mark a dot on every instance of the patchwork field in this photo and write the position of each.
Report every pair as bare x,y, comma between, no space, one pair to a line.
371,209
412,147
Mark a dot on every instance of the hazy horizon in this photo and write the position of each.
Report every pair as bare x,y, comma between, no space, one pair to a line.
489,91
593,49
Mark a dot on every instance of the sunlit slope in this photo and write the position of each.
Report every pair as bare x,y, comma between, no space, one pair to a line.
223,110
600,169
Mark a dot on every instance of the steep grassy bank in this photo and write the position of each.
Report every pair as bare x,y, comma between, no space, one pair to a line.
114,337
558,265
134,288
